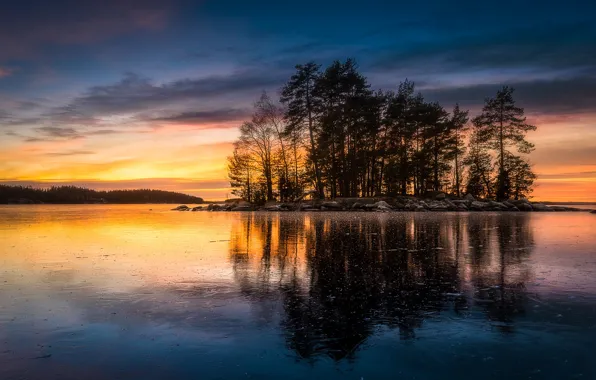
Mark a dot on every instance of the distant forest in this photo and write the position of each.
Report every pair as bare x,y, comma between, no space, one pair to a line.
332,133
73,194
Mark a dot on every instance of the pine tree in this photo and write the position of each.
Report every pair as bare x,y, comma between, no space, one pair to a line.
480,181
298,96
459,125
502,125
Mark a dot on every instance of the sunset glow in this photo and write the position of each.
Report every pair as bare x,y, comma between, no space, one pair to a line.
87,103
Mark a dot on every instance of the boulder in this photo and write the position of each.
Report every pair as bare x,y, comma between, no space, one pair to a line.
522,206
462,207
450,205
469,197
332,205
181,208
497,206
541,207
357,206
272,207
288,207
478,206
242,208
440,196
411,206
197,208
382,205
438,206
508,204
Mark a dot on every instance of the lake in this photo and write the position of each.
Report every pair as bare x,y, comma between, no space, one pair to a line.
141,292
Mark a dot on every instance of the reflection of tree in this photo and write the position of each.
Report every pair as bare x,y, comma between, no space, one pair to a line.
500,285
338,279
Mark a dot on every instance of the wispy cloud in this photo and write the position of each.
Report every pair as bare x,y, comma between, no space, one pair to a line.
69,153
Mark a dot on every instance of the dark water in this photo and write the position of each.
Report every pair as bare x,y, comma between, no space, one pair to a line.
124,292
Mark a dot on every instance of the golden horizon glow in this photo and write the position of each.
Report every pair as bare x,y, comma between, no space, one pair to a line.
192,160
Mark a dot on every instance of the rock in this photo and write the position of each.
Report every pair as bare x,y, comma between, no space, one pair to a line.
478,206
469,197
560,208
541,207
308,206
242,208
287,207
440,196
411,206
272,207
421,209
398,206
508,204
522,206
197,208
332,205
450,204
438,206
357,206
462,207
593,212
382,205
497,206
181,208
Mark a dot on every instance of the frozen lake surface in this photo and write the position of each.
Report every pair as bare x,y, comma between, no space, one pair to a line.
140,292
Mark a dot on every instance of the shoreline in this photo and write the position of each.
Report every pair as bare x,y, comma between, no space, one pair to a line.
441,203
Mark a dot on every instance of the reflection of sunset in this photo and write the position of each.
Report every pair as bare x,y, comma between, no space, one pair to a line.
131,246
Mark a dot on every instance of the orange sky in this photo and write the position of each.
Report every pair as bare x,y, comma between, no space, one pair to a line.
193,160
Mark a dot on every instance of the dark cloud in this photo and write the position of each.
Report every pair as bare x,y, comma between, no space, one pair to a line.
200,117
58,132
558,46
64,133
30,25
135,93
557,96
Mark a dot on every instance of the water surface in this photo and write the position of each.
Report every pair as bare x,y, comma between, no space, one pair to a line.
139,292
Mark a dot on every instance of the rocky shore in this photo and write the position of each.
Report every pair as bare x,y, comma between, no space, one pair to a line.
440,202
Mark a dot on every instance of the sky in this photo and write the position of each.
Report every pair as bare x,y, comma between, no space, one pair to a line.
130,94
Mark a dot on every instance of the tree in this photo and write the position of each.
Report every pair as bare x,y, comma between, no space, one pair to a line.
297,95
257,140
459,124
344,94
241,175
436,137
520,175
401,124
502,125
268,113
480,167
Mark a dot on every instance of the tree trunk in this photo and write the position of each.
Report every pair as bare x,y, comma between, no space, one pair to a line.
313,151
